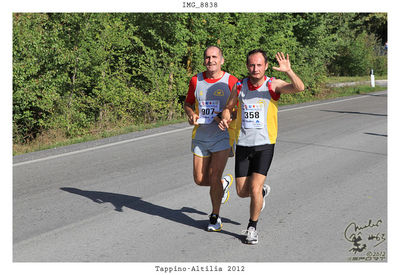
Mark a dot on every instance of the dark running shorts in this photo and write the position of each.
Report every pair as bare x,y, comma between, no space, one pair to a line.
255,159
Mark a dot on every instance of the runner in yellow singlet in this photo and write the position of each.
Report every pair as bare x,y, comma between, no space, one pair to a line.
258,112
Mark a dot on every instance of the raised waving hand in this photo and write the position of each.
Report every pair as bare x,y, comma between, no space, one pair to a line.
284,63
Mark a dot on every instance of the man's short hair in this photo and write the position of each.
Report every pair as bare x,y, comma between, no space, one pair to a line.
212,46
257,51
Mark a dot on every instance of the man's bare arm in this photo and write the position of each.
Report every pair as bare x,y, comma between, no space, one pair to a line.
281,86
228,110
192,116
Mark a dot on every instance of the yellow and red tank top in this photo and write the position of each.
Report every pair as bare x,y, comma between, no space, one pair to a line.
257,113
210,97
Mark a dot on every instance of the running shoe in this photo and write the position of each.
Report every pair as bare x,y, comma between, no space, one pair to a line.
217,226
266,191
227,182
251,235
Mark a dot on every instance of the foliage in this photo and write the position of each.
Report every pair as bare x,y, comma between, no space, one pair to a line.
76,71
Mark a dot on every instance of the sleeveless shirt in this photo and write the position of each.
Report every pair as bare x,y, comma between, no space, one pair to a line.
210,98
258,113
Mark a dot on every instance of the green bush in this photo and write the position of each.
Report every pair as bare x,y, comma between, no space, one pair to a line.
356,57
76,71
380,65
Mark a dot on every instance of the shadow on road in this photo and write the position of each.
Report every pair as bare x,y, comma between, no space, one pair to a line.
136,203
354,113
380,95
375,134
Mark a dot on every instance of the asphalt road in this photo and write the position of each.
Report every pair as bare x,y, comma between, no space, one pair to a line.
132,198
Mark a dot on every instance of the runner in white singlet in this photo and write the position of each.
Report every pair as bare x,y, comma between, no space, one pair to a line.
258,111
207,96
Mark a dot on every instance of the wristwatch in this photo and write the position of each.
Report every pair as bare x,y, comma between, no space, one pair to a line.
220,115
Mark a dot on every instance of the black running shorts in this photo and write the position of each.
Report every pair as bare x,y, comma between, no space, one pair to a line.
255,159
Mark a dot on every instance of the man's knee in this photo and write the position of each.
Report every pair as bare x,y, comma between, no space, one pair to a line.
241,191
215,178
242,194
200,180
255,191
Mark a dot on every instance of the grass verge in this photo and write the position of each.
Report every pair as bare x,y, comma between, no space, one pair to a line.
327,93
338,79
54,139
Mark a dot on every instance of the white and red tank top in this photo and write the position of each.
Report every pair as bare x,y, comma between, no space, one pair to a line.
257,113
209,97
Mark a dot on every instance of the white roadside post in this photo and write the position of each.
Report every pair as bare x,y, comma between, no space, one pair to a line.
372,78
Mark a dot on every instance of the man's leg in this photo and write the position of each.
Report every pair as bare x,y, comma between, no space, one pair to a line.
256,187
242,187
252,187
200,170
216,168
201,174
255,184
242,169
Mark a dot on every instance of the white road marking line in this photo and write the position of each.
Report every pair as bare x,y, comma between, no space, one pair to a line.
101,146
164,133
325,103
